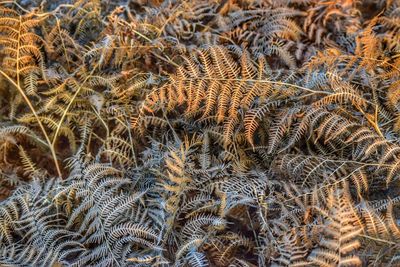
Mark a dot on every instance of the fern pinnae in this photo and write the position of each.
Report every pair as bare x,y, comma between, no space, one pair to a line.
261,133
279,129
251,122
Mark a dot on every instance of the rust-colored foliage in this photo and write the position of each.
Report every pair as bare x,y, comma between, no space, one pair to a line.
199,133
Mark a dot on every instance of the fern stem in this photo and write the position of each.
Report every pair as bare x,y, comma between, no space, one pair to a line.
374,59
131,140
379,240
68,108
30,105
262,81
341,180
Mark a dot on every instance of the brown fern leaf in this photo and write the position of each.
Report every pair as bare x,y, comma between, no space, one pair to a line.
340,230
214,85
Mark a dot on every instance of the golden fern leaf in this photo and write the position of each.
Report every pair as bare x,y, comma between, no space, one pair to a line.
280,128
213,85
21,47
339,233
29,166
61,45
251,121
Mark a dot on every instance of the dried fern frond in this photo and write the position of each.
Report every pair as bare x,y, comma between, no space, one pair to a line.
339,233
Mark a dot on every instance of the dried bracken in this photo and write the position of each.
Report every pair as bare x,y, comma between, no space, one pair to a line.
200,133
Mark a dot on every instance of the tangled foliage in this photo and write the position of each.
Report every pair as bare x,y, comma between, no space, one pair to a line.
200,133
